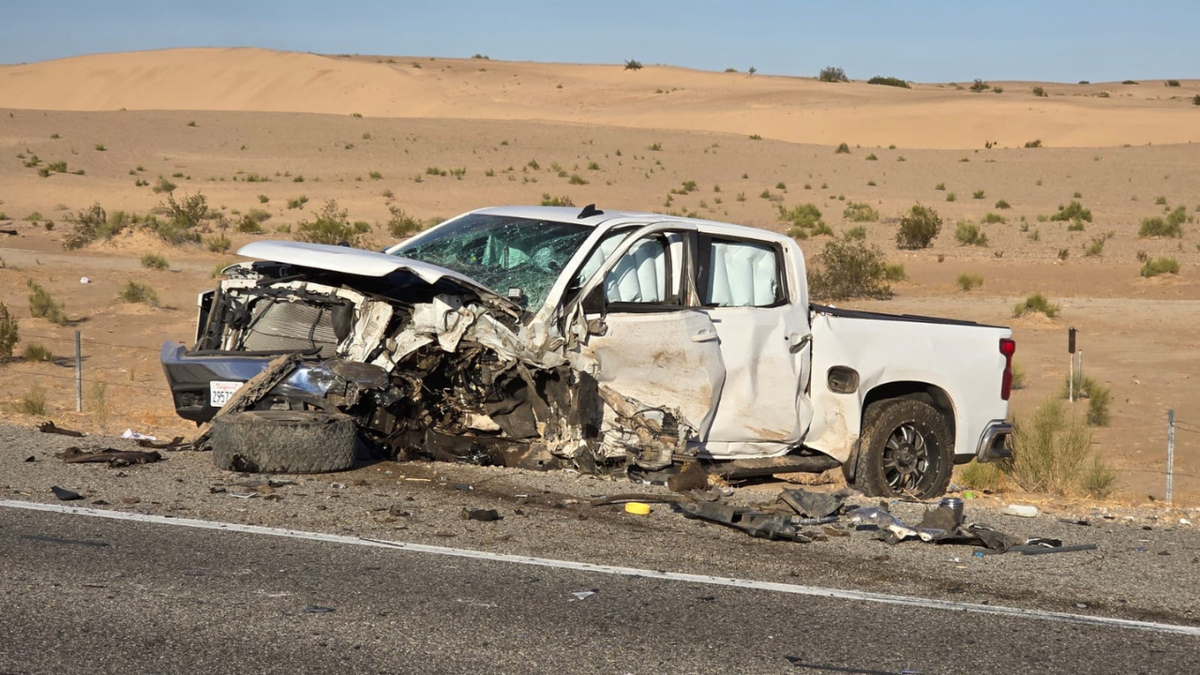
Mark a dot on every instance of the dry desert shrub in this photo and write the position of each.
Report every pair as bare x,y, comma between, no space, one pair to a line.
1049,450
1035,303
918,228
43,305
10,332
850,269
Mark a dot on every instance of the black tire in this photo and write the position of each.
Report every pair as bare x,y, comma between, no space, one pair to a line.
283,441
906,450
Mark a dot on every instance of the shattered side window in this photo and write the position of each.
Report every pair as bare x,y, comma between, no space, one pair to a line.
502,252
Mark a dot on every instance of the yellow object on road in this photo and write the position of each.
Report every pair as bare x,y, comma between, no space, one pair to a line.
637,508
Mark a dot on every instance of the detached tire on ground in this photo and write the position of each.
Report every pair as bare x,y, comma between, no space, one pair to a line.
283,441
906,450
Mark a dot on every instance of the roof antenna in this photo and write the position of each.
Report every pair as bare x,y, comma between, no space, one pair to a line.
589,211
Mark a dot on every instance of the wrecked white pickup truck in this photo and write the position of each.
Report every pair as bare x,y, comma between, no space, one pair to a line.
550,337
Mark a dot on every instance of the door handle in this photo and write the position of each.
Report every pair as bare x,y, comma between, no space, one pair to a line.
795,345
705,336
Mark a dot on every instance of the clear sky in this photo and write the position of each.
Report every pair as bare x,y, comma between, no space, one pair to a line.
937,40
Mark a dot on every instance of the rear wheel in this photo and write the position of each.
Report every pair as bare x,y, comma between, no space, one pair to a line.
906,450
283,441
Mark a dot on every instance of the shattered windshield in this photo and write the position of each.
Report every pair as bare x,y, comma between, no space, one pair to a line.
502,252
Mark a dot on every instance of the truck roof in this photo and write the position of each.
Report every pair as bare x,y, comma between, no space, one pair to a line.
612,218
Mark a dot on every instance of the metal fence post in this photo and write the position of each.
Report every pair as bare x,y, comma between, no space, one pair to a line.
1170,453
78,374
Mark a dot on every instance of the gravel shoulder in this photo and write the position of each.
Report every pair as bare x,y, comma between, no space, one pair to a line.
1138,571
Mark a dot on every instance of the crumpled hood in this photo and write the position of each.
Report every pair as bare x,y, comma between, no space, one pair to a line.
356,261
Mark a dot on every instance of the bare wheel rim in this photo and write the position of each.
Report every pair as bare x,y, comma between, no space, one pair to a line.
907,458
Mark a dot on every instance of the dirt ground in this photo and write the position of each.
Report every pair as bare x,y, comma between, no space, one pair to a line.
1135,332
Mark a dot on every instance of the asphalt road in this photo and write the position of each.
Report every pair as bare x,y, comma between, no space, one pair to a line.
90,595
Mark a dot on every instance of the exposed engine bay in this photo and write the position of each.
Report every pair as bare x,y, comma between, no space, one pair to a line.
429,372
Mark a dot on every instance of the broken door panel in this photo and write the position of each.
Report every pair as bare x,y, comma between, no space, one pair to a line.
669,359
743,287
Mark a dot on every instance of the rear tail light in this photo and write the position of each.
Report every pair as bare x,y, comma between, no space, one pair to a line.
1008,347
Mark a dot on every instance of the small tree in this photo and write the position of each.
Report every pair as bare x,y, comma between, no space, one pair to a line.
633,64
979,85
832,74
918,228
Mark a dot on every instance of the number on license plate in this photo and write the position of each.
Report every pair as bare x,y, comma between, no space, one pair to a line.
219,393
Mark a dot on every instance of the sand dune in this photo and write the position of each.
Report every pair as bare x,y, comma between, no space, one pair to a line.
657,97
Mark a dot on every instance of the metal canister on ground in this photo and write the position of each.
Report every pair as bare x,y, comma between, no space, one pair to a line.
956,505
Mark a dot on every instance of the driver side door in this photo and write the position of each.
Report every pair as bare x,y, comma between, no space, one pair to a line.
648,343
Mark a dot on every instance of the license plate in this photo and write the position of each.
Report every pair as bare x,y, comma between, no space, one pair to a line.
219,393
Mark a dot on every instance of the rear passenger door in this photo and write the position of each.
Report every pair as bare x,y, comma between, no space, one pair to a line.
745,290
649,345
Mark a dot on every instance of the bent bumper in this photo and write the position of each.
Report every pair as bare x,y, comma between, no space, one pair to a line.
993,445
189,377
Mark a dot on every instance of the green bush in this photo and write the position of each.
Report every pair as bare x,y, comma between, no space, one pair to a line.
37,352
1039,92
1157,227
1035,304
979,85
163,185
154,261
918,228
297,203
43,305
832,74
1049,451
401,225
978,194
1035,143
858,233
1172,83
33,403
968,282
217,243
849,269
1072,211
1098,479
1095,247
842,149
86,227
183,219
633,64
330,226
968,234
10,332
1177,217
802,217
562,200
1098,399
860,212
135,292
1002,204
993,218
889,81
1157,266
984,477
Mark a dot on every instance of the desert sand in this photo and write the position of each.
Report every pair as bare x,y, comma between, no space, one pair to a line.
253,129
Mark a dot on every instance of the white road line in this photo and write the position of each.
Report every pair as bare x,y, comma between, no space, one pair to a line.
795,589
